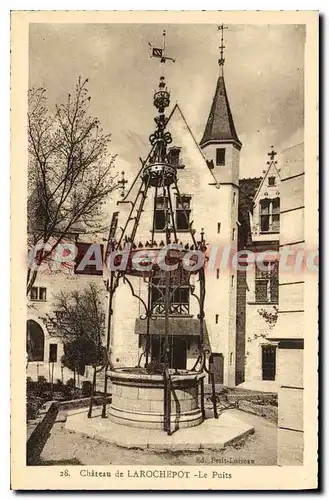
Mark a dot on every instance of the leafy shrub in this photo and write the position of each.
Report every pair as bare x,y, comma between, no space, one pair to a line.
33,404
29,383
47,396
70,383
75,393
59,396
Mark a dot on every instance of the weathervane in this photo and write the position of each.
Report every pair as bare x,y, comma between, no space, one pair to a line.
221,60
161,53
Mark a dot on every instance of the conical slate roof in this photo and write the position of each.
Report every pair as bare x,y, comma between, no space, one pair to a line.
220,125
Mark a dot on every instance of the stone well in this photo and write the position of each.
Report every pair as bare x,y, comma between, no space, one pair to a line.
138,399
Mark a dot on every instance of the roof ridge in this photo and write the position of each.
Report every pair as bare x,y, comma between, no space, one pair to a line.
177,106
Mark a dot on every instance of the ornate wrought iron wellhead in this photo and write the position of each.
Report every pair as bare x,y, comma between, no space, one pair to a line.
146,259
159,174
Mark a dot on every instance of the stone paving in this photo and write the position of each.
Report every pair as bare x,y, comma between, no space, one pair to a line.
70,448
212,434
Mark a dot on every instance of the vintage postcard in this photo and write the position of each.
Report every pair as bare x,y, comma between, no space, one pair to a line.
164,244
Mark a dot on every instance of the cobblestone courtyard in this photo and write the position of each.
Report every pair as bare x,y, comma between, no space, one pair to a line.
67,448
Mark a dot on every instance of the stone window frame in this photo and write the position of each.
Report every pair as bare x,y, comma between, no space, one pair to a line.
159,220
179,212
162,203
220,157
271,181
53,346
267,283
269,215
38,294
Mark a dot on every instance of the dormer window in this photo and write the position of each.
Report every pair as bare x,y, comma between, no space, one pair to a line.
161,205
220,157
183,210
174,155
270,215
272,181
264,215
276,215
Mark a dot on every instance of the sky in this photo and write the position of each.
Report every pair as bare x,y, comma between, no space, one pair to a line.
264,76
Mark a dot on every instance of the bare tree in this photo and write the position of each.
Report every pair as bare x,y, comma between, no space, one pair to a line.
78,317
70,172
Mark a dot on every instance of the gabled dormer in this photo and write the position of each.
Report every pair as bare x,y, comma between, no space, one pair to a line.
266,203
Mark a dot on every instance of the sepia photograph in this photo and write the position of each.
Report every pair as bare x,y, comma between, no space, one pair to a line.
164,219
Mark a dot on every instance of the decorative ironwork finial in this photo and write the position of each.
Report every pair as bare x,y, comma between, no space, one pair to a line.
272,154
221,60
161,98
121,184
159,171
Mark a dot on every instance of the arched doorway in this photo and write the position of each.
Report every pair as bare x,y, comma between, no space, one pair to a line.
35,341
